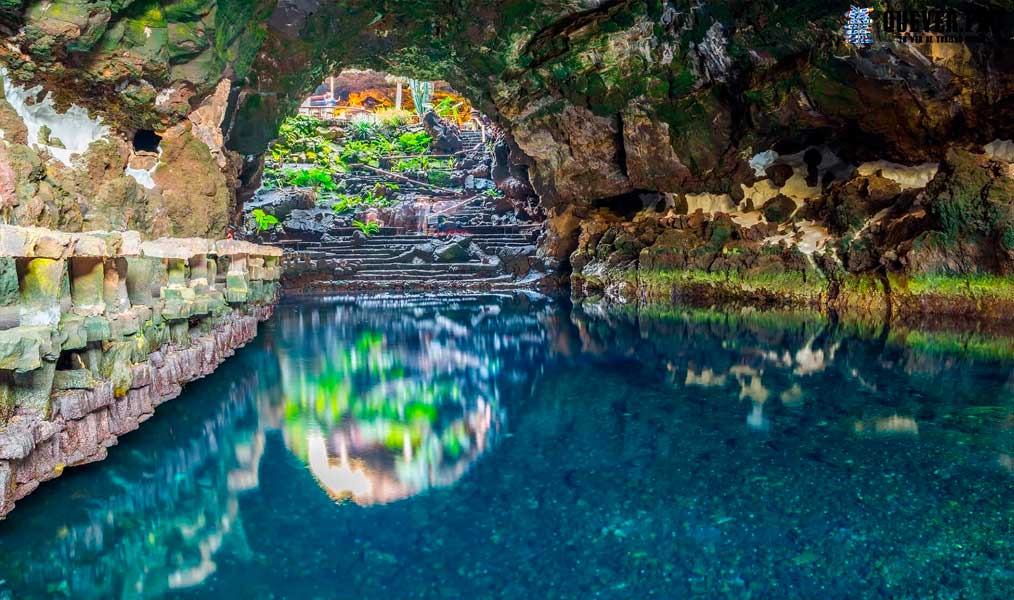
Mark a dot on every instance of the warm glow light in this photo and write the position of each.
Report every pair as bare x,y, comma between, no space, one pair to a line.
341,479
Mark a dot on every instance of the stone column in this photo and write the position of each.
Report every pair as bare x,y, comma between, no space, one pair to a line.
141,273
87,280
41,283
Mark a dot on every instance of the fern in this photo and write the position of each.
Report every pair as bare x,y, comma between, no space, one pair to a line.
264,220
368,229
414,143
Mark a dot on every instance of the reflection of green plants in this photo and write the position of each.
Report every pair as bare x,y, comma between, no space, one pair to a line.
414,143
492,193
368,229
264,220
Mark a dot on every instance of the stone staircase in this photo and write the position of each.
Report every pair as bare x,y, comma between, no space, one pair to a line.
393,261
470,139
458,237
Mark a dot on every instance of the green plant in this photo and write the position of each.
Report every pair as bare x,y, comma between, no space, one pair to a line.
346,203
375,198
368,229
366,152
392,118
414,143
302,139
492,193
422,163
448,109
361,129
315,178
264,220
441,178
421,93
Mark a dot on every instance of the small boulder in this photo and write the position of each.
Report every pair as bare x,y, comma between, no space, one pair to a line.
778,209
455,250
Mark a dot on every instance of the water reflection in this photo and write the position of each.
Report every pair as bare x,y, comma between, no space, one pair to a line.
480,447
397,396
790,366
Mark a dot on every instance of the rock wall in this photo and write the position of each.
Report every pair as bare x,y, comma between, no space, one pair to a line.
884,240
96,330
604,100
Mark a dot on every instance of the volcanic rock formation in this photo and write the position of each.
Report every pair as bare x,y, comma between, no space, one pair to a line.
883,171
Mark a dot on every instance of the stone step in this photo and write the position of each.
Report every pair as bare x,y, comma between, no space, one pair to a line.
463,267
409,278
375,243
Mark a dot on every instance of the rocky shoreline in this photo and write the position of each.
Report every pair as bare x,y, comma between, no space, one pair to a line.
101,328
876,240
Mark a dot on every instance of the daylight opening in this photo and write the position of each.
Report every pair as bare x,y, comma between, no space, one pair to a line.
402,180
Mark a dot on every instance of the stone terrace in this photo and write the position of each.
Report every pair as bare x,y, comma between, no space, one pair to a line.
97,329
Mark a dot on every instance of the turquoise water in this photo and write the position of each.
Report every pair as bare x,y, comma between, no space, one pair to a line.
510,448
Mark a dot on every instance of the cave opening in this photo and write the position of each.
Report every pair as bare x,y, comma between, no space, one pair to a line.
577,280
403,176
146,140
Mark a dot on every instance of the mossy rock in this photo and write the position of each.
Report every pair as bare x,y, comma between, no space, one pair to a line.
779,209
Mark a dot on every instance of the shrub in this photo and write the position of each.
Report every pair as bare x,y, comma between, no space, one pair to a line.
366,152
302,139
361,129
393,118
449,109
414,143
441,178
368,229
374,198
264,220
315,178
422,163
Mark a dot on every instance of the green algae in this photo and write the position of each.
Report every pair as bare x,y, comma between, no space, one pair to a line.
788,286
971,285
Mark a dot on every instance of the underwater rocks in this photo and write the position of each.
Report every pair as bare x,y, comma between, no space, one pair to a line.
98,329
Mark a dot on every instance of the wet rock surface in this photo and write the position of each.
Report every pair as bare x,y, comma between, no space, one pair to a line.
869,238
101,328
698,100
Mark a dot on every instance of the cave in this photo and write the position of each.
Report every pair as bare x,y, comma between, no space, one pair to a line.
146,140
624,298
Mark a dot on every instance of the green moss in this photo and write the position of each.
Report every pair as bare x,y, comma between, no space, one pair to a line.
1007,239
9,292
789,286
974,285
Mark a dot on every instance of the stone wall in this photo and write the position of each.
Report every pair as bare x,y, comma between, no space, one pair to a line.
98,329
